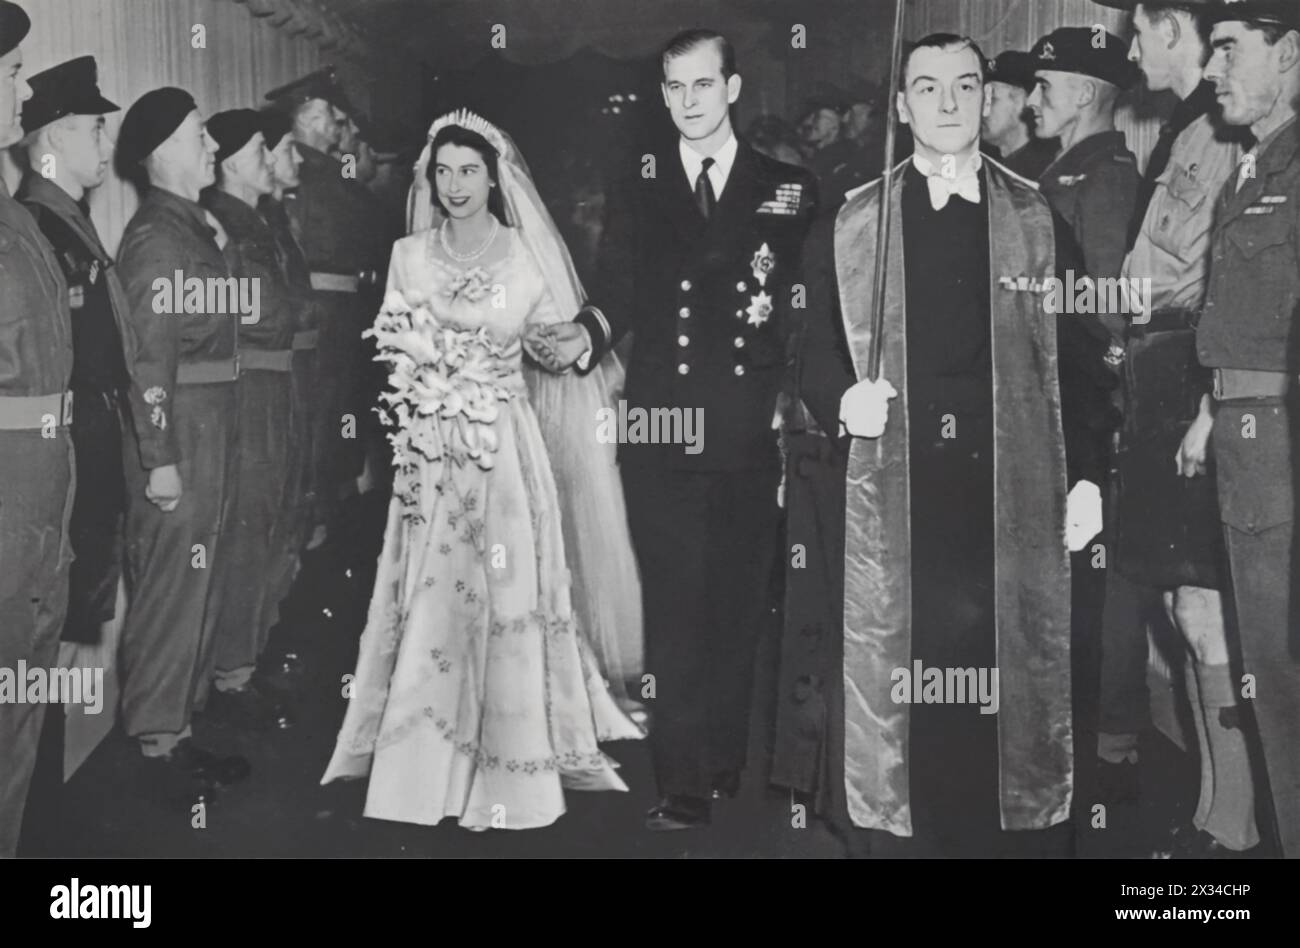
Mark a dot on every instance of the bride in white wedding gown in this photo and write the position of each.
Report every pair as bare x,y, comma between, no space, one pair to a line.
477,694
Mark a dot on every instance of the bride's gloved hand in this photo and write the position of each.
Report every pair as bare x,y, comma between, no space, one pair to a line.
564,344
537,344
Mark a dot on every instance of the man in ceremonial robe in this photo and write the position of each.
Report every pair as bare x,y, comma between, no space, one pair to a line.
946,565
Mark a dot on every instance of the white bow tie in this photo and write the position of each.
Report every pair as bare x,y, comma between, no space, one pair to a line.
941,189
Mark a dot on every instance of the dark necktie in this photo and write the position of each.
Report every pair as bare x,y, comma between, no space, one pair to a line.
705,199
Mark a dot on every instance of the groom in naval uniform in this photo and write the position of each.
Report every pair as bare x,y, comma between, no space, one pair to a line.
701,260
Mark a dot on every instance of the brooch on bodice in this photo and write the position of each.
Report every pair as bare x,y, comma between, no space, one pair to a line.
472,284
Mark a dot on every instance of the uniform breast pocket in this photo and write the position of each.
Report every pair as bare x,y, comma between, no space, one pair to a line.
1256,234
1176,225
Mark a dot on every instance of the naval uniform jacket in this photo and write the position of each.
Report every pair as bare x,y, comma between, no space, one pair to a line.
710,303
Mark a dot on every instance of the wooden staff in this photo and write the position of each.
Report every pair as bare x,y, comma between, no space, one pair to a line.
876,350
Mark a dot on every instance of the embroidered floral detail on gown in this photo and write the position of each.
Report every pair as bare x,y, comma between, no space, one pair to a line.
475,694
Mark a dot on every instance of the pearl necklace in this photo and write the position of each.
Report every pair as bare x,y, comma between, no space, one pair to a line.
473,254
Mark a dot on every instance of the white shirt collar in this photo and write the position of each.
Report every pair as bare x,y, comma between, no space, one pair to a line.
929,169
723,159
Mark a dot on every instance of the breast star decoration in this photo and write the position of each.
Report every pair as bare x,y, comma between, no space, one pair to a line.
763,263
759,309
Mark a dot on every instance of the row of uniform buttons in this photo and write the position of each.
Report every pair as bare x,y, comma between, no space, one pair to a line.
684,340
684,369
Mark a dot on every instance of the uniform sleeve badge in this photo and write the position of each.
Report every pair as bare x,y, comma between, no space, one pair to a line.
759,309
76,297
763,263
156,396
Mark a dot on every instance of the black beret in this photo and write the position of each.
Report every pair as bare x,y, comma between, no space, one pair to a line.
14,24
1075,49
321,84
70,88
275,125
232,130
1285,13
150,122
1013,67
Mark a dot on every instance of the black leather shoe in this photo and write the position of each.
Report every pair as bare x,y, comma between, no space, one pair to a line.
726,784
677,813
176,785
204,765
248,709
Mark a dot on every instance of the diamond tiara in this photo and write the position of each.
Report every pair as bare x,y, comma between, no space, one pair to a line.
475,123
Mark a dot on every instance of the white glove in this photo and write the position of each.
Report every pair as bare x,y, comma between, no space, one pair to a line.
1082,515
865,408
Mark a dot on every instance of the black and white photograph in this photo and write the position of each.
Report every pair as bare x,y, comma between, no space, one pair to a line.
612,429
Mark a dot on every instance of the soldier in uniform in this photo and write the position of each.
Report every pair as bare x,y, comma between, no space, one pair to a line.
330,221
255,537
296,284
180,470
837,161
699,261
36,456
1079,74
1008,130
1247,336
68,153
1093,181
1168,543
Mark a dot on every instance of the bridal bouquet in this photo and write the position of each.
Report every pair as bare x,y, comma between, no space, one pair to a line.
446,386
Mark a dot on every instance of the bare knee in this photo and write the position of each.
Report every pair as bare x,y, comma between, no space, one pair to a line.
1198,613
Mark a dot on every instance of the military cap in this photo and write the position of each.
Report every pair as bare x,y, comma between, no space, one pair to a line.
70,88
1078,49
275,125
1284,13
232,130
321,84
1014,67
150,122
14,24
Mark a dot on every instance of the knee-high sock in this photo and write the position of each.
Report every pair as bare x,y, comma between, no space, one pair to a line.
1231,819
1202,745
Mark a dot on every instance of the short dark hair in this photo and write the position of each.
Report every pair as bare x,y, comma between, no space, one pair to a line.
942,41
687,40
467,138
1158,10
